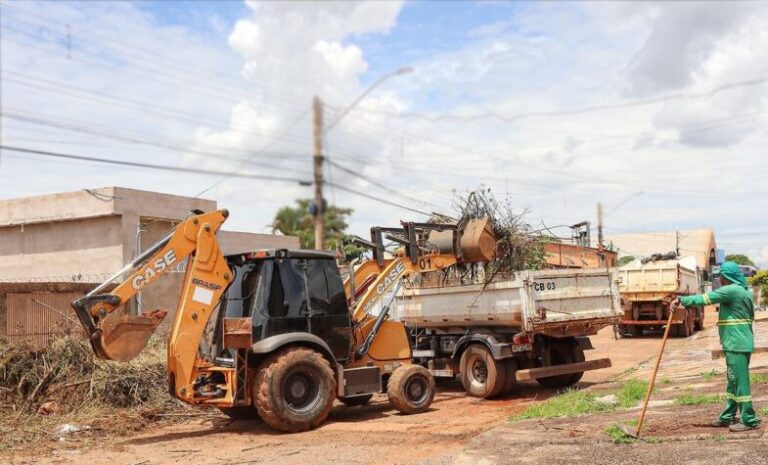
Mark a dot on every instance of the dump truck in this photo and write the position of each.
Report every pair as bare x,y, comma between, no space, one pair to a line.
648,288
534,325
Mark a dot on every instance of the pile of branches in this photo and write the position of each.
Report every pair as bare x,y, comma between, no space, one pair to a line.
63,383
518,246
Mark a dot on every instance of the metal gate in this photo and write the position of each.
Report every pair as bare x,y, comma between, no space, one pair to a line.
38,317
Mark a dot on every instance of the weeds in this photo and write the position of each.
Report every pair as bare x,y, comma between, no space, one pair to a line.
710,375
631,392
574,402
666,380
617,435
688,398
758,378
569,403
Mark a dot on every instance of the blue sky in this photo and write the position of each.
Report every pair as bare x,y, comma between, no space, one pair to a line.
228,77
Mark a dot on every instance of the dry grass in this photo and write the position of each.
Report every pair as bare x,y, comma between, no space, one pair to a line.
109,397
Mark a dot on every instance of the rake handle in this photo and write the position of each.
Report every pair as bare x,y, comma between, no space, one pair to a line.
655,371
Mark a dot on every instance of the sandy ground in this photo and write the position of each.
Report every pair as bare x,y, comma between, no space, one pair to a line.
458,429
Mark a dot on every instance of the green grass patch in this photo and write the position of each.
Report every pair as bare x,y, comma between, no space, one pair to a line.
666,380
569,403
688,398
631,393
764,411
719,438
617,435
758,378
710,375
575,402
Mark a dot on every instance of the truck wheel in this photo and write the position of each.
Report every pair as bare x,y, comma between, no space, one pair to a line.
698,325
481,375
240,412
560,355
510,378
356,401
684,329
411,389
294,389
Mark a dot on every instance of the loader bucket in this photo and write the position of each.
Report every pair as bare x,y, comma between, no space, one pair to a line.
477,241
124,336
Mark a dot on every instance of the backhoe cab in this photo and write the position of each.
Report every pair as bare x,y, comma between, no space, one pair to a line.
288,335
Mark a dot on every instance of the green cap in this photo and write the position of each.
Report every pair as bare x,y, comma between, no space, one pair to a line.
732,273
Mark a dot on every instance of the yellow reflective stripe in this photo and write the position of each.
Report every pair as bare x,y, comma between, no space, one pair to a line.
742,399
707,300
734,321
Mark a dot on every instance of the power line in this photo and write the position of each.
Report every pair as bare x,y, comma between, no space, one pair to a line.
152,166
127,137
576,111
377,199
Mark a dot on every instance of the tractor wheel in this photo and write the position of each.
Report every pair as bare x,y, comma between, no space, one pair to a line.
510,378
411,389
294,389
562,354
240,412
481,375
356,401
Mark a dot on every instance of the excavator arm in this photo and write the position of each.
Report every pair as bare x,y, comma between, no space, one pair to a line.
113,332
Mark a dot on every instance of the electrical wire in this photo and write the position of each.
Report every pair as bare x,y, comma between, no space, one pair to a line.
152,166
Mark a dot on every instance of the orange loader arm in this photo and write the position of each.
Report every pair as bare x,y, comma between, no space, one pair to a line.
117,335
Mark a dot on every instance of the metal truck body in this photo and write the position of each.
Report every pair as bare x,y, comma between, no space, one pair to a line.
646,291
532,326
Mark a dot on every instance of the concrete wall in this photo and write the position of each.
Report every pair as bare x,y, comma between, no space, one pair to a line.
79,250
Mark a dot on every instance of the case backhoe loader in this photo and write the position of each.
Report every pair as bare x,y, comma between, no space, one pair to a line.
285,341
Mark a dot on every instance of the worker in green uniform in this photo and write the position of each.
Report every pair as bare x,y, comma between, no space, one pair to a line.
735,327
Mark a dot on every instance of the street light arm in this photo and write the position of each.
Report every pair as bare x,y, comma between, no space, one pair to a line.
345,112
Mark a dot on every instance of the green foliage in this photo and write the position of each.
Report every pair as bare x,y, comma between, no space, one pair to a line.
297,221
666,380
719,437
567,404
760,279
618,436
626,260
573,402
758,378
631,392
688,398
741,259
710,375
764,411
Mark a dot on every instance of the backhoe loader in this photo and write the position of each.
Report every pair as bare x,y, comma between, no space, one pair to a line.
287,340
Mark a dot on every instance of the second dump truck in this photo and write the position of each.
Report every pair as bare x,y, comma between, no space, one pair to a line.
647,289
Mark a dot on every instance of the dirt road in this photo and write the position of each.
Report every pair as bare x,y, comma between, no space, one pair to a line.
374,434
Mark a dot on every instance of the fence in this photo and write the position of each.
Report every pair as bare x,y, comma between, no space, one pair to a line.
38,317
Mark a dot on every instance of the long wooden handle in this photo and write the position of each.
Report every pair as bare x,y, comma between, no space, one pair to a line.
655,371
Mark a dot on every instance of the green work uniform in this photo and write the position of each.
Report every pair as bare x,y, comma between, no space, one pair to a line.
735,326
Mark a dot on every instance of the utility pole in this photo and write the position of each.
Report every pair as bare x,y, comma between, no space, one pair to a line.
600,226
317,108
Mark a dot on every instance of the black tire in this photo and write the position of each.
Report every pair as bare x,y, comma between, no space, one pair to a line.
481,375
685,328
633,330
698,325
411,389
560,355
240,412
294,389
356,401
510,378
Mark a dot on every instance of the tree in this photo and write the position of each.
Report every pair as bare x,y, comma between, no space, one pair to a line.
297,221
760,279
627,259
740,259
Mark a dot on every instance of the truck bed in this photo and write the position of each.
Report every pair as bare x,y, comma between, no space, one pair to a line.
531,301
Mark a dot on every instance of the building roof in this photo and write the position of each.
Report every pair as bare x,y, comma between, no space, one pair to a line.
692,242
104,201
